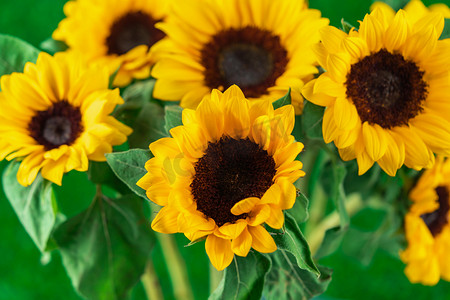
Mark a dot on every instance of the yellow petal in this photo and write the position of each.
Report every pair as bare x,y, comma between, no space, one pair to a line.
166,220
434,131
332,38
316,98
356,47
324,84
219,251
288,194
210,115
374,140
345,114
232,230
242,244
276,218
397,32
417,154
371,30
394,156
338,66
262,241
261,131
244,206
259,215
329,129
236,113
421,45
29,168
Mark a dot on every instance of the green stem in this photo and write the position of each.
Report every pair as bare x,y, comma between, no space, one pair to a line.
214,278
318,198
176,267
316,235
151,283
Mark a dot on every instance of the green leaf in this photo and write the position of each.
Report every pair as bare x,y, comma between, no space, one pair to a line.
52,46
101,173
285,100
287,281
14,54
244,278
346,26
300,210
312,120
338,193
34,205
331,241
148,126
105,248
129,167
446,33
173,117
293,241
143,115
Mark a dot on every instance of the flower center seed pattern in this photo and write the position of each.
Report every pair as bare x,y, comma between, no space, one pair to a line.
59,125
249,57
386,89
132,30
437,219
230,171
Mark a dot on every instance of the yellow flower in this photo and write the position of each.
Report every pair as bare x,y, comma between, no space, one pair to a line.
226,171
114,33
54,117
415,9
386,90
263,46
427,227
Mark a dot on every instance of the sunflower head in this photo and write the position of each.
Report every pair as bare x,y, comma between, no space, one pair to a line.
385,90
427,227
115,33
215,44
55,117
228,170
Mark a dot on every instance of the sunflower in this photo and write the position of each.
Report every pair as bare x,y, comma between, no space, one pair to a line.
262,46
114,33
427,227
226,171
386,90
415,9
54,117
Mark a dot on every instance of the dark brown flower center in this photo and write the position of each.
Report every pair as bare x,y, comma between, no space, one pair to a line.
437,219
249,57
230,171
386,89
59,125
132,30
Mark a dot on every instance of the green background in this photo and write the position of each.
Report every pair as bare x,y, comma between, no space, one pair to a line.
24,274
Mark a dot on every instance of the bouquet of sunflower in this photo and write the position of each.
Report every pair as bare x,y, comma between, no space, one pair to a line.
233,149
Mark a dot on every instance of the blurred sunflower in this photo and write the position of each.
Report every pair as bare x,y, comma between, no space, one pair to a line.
54,117
114,33
262,46
226,171
415,9
427,227
386,90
